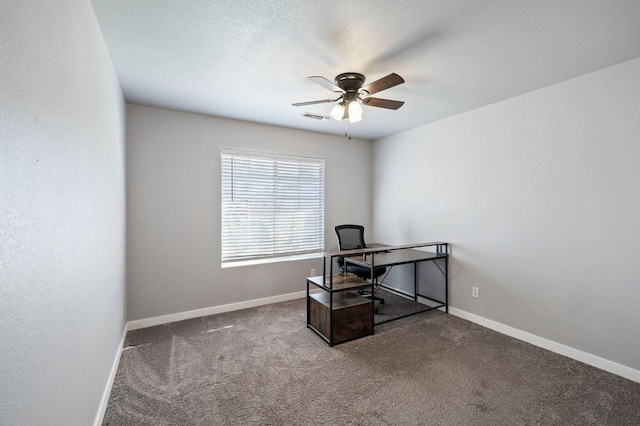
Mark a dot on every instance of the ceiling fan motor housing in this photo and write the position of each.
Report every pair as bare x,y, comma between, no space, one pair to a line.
350,82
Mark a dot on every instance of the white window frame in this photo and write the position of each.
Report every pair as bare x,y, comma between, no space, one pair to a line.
272,207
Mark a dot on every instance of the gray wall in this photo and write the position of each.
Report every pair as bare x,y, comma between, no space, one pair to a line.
539,197
173,208
62,213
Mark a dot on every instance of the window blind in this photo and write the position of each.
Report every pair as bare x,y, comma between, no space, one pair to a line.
272,206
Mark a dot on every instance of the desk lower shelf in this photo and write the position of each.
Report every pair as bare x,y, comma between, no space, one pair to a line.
350,318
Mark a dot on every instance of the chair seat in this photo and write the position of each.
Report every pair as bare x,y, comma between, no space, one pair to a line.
365,273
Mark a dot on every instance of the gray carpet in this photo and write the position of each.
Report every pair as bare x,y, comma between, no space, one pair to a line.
395,307
262,366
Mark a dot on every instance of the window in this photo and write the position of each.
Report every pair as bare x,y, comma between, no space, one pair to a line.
272,206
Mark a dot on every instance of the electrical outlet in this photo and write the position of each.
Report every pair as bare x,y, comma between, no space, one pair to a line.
475,292
313,272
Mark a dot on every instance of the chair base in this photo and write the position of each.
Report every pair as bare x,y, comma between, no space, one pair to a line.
373,297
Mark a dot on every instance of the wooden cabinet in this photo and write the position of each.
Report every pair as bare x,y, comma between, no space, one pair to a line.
348,316
334,309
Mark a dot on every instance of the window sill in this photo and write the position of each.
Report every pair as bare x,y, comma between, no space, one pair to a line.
271,260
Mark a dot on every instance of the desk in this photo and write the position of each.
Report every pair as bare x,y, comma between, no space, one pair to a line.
338,315
401,255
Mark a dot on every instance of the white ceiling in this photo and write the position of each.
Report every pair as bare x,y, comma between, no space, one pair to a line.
249,60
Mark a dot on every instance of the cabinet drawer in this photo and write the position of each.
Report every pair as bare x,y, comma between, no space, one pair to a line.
352,316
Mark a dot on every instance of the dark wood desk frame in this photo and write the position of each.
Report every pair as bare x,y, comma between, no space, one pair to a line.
322,310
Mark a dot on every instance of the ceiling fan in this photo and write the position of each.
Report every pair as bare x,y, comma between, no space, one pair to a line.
352,92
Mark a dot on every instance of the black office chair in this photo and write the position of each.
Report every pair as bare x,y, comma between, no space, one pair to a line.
352,237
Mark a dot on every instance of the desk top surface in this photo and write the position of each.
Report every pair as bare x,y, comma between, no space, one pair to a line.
395,257
384,249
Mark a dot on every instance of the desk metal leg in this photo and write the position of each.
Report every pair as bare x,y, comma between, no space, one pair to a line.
415,281
446,284
307,303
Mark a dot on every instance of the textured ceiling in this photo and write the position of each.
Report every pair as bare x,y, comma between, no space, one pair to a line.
249,60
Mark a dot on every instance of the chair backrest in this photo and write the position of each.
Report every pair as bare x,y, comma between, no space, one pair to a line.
350,237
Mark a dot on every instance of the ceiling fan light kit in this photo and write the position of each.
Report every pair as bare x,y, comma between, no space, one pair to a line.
355,111
352,92
338,111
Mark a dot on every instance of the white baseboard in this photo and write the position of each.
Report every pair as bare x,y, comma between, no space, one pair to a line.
595,361
102,408
164,319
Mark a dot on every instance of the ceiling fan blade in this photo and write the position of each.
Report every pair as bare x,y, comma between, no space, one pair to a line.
382,103
323,101
326,83
384,83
